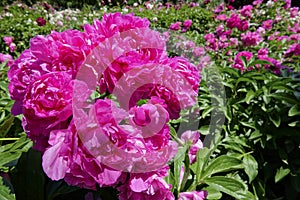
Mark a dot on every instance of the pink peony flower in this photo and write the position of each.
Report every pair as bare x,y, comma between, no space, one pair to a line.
146,186
222,17
293,49
67,158
40,21
294,12
6,57
47,106
262,53
238,63
192,137
113,23
12,47
287,4
198,51
243,26
246,11
251,38
187,23
193,195
8,40
175,26
22,73
267,25
233,22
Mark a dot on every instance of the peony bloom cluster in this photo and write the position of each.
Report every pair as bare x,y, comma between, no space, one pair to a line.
105,143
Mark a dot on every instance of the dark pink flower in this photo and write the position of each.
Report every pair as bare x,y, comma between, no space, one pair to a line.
67,158
243,26
146,186
294,12
267,24
246,11
238,63
233,22
40,21
251,38
192,137
193,195
175,26
8,40
47,106
222,17
187,23
5,57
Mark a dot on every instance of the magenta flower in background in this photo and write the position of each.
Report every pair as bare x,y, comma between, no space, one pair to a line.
12,47
294,12
175,26
40,21
262,53
6,57
222,17
243,26
192,137
146,186
267,25
8,40
251,38
187,23
295,37
198,51
233,42
193,195
246,11
287,4
257,2
294,49
238,63
233,22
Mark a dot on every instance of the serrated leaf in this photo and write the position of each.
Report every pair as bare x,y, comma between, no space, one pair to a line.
295,110
5,193
251,167
281,173
222,163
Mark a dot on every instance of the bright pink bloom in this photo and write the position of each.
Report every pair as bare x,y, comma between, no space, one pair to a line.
243,26
238,63
246,11
294,12
294,49
233,22
5,57
47,106
193,195
8,40
251,38
257,2
287,4
146,186
187,23
192,137
262,53
12,47
67,158
267,24
222,17
175,26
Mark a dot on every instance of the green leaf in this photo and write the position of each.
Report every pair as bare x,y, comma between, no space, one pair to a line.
222,163
178,163
10,153
281,173
230,186
250,95
276,119
213,193
197,167
295,110
251,167
5,193
260,62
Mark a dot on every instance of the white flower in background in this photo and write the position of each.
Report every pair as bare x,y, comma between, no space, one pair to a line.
135,4
74,18
8,14
270,4
29,21
125,10
154,19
